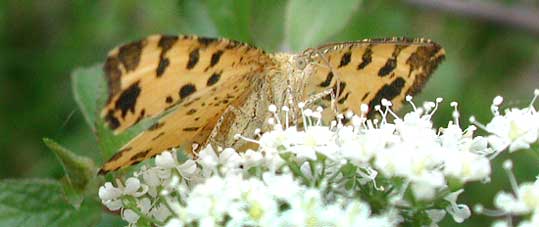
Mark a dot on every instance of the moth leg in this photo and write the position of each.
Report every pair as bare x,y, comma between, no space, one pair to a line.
212,139
336,91
321,95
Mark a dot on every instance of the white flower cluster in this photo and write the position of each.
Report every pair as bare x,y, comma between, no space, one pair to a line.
195,194
369,173
523,201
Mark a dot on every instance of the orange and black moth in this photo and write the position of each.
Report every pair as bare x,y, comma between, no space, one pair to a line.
204,91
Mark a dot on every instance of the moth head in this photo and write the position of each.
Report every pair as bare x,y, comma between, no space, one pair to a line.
300,63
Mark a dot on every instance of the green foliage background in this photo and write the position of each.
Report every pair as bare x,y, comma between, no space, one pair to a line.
42,42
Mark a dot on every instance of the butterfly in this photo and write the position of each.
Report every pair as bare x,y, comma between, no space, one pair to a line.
205,90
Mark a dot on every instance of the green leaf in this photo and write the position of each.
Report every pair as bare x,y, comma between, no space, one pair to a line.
311,22
267,25
40,203
231,18
80,173
196,19
86,82
79,170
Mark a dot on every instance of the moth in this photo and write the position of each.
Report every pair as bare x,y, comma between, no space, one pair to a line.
205,90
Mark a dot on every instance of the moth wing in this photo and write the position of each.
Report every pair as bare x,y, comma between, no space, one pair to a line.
367,71
149,76
197,77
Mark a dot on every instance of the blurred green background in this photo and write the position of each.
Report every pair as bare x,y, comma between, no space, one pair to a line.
41,42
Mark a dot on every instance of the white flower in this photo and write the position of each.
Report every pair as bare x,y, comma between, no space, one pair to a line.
303,152
174,222
321,139
271,159
435,215
132,186
358,149
304,210
109,192
144,204
113,205
199,206
275,186
150,177
187,169
230,159
280,138
500,224
110,196
390,158
359,214
165,160
466,166
528,193
208,159
508,203
130,216
459,212
251,158
517,129
526,200
425,188
160,212
261,206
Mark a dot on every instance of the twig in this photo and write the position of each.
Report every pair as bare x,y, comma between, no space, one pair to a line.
511,16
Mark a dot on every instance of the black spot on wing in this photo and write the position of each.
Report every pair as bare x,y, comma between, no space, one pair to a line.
128,99
119,154
327,82
163,64
388,67
187,90
191,102
215,57
139,156
129,55
169,100
426,58
115,157
366,58
111,120
165,42
113,75
214,78
193,58
190,129
206,41
343,99
156,126
232,44
388,91
391,63
158,135
134,163
345,59
140,116
342,86
365,96
191,111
